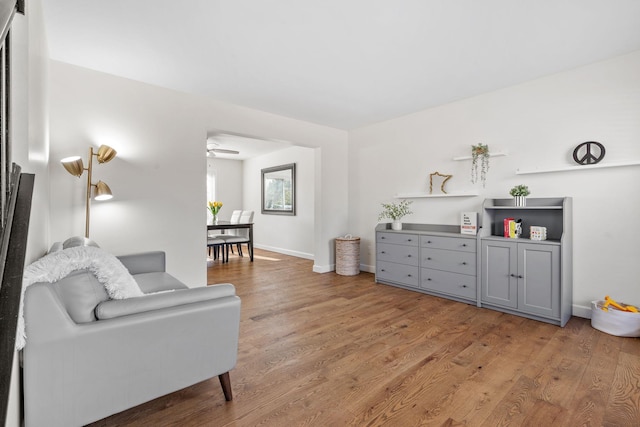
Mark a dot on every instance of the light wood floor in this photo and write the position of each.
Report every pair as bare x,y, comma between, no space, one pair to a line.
329,350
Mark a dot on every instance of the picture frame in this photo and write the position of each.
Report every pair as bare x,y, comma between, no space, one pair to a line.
279,190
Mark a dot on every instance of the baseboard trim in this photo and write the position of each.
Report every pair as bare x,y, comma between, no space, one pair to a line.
285,251
323,268
582,311
368,268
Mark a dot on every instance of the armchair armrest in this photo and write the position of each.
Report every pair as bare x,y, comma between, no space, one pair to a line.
144,262
117,308
78,373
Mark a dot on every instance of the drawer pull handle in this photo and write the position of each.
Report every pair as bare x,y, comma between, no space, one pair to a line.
382,269
464,245
428,241
382,238
463,263
429,279
464,286
429,258
408,256
512,275
382,252
408,240
408,275
520,277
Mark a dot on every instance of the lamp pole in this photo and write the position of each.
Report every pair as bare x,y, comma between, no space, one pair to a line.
88,201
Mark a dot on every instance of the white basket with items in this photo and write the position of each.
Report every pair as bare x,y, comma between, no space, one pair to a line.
614,318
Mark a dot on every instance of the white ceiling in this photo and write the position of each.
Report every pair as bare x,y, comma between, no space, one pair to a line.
340,63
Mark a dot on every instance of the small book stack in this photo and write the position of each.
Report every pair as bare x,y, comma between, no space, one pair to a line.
537,233
512,228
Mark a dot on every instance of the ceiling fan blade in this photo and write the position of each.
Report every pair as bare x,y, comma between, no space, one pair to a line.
223,151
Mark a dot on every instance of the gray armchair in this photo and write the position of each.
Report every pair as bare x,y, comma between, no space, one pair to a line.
87,357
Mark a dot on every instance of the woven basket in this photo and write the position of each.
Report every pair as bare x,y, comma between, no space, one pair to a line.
348,255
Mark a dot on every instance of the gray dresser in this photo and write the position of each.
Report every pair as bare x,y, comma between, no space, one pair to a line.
430,258
529,278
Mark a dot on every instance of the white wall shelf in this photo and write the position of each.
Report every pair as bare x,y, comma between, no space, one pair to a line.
577,168
498,154
427,195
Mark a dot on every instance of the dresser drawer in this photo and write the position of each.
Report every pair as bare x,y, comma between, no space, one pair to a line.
398,273
459,285
409,255
450,243
455,261
398,238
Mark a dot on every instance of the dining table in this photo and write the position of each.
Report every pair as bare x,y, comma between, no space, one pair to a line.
228,225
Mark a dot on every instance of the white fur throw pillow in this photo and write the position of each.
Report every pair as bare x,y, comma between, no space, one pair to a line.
108,269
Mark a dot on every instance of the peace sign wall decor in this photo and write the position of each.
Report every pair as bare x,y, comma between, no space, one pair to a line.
588,153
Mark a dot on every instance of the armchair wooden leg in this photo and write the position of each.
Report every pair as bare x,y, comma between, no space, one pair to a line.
225,382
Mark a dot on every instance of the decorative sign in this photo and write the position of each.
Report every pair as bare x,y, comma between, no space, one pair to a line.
588,153
469,223
446,178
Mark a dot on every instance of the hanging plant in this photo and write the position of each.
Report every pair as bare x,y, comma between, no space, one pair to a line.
479,155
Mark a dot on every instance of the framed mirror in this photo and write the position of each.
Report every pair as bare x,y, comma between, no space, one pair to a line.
279,190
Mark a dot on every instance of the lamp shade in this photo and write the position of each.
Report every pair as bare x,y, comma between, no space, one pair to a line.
106,154
73,165
102,191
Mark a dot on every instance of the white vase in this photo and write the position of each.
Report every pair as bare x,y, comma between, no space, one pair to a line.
396,225
519,201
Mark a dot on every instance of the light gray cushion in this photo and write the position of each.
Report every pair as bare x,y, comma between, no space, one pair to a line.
80,292
157,282
75,241
117,308
145,262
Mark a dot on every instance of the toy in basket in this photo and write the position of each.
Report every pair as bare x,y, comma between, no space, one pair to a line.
615,318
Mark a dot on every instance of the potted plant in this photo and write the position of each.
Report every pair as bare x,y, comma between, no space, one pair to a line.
479,156
520,193
395,212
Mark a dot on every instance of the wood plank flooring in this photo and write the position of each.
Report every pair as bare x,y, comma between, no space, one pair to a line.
330,350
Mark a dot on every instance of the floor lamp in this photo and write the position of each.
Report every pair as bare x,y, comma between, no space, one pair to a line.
75,167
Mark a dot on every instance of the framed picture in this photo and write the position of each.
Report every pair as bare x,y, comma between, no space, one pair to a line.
279,190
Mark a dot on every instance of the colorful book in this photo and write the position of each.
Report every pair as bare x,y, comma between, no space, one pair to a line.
506,227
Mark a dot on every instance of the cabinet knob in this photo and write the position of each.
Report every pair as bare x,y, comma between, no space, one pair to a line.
429,279
520,277
512,275
408,275
464,263
428,241
382,238
429,258
408,256
382,252
464,286
408,240
464,245
382,269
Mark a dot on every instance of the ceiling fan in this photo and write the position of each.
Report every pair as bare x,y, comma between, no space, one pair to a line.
212,150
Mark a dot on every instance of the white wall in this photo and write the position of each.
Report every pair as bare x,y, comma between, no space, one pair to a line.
538,123
30,143
291,235
228,184
158,178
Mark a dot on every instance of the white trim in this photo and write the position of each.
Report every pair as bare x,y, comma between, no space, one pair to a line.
582,311
323,268
368,268
285,251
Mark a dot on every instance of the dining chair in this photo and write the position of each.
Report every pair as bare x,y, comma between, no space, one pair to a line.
214,244
241,235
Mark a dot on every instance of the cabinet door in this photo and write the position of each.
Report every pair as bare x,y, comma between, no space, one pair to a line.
499,273
539,279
